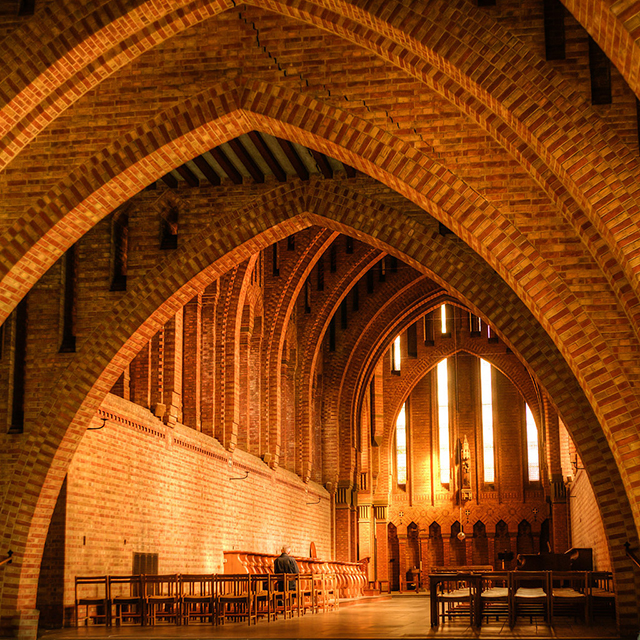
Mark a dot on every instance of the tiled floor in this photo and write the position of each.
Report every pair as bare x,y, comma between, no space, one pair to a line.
393,617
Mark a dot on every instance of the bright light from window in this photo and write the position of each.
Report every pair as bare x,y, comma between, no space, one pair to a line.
443,318
532,447
395,355
487,422
401,445
443,421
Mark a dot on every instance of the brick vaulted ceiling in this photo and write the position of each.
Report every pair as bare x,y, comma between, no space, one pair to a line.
451,108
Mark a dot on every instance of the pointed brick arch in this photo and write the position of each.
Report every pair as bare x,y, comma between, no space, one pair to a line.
226,114
219,114
517,102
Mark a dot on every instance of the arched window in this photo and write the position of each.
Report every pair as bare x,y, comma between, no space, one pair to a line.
487,422
401,445
533,455
443,421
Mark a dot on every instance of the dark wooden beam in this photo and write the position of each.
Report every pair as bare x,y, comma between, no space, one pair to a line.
554,38
294,158
207,170
254,170
600,69
170,181
221,158
323,164
268,156
188,175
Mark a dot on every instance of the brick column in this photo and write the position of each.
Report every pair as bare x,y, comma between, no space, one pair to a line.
402,557
208,364
191,379
423,541
245,377
157,374
365,537
343,502
557,489
173,352
141,377
491,544
381,542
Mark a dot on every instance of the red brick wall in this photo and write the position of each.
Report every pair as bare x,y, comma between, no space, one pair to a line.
140,486
587,529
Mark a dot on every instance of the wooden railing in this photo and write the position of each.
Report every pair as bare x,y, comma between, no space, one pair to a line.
350,576
631,554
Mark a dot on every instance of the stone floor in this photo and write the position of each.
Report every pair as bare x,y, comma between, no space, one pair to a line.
392,617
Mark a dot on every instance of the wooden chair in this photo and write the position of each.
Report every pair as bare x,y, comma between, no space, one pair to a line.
233,593
325,591
495,594
197,602
262,595
92,593
530,595
601,595
282,586
454,598
569,595
161,598
127,599
306,600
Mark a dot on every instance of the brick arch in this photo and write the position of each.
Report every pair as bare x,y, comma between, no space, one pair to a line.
390,302
218,114
314,337
414,39
274,341
418,249
224,112
517,375
615,31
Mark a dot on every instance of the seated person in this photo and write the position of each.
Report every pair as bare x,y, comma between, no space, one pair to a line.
284,563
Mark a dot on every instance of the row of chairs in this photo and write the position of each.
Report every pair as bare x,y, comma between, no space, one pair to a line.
582,595
202,598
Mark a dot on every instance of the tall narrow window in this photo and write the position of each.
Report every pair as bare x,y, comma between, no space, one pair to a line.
533,457
401,445
443,318
307,296
169,228
120,233
475,324
395,356
443,421
69,295
275,262
320,274
349,244
487,422
19,366
412,340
